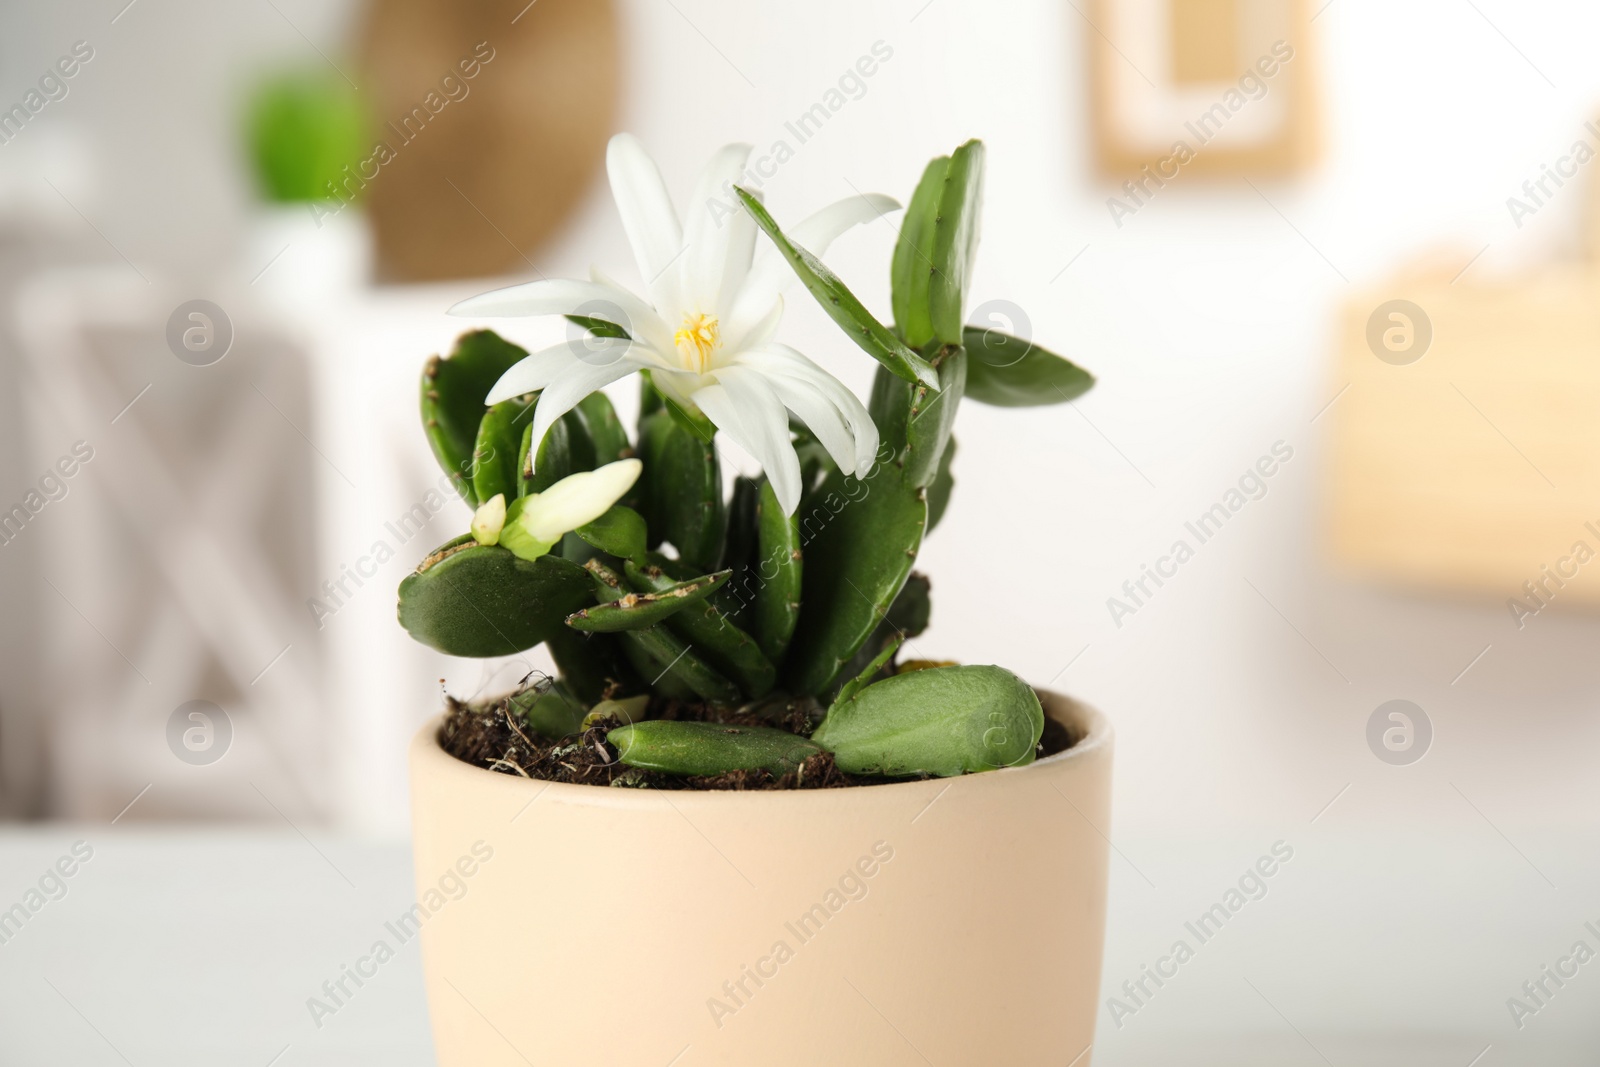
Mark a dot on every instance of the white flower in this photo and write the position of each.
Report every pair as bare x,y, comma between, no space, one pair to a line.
706,330
534,524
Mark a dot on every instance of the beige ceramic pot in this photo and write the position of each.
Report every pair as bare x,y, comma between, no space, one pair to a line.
956,921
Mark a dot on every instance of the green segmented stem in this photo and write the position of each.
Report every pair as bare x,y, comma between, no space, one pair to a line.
681,499
705,748
942,486
633,611
498,446
668,664
714,638
777,575
917,420
591,663
848,691
739,551
664,646
862,537
606,434
452,393
912,265
566,449
554,713
955,242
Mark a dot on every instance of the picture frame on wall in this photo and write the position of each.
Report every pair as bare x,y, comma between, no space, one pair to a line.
1216,87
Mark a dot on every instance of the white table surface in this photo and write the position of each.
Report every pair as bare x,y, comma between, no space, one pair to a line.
201,946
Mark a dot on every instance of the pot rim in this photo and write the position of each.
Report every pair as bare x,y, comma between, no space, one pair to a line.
1092,727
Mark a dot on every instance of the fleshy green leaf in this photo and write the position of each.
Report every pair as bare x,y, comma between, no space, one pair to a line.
566,449
682,663
704,748
498,446
955,242
944,483
777,575
453,389
633,611
712,635
619,532
606,434
667,664
739,551
1009,372
912,265
553,713
861,537
907,617
681,499
942,721
915,420
590,663
468,599
864,677
875,339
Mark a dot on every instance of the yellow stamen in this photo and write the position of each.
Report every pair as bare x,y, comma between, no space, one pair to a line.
696,339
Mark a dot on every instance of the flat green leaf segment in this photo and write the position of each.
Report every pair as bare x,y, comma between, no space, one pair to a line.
681,498
875,339
940,721
778,571
619,532
702,748
633,611
500,437
453,389
715,637
916,421
1009,372
468,599
862,537
938,241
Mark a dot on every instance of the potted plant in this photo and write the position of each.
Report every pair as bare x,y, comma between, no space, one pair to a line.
306,134
743,825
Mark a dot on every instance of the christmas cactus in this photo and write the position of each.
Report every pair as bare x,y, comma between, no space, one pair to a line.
769,635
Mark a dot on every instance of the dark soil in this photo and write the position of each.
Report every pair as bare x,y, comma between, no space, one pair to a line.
486,735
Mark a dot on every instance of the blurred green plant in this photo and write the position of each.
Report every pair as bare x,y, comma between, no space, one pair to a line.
302,130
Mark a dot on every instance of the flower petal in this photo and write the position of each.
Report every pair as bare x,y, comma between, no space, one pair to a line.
648,217
643,322
754,334
552,296
795,378
772,273
719,232
743,405
537,371
579,498
562,394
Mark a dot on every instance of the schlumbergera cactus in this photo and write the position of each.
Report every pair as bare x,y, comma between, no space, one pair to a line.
786,601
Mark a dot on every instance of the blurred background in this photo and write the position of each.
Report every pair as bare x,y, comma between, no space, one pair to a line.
229,232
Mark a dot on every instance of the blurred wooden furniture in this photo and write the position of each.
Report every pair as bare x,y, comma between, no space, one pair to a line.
1233,81
1477,465
483,167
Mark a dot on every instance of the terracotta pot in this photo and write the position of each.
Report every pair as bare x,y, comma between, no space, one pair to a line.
954,921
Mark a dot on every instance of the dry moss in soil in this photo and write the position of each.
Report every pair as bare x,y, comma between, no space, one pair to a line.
486,735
